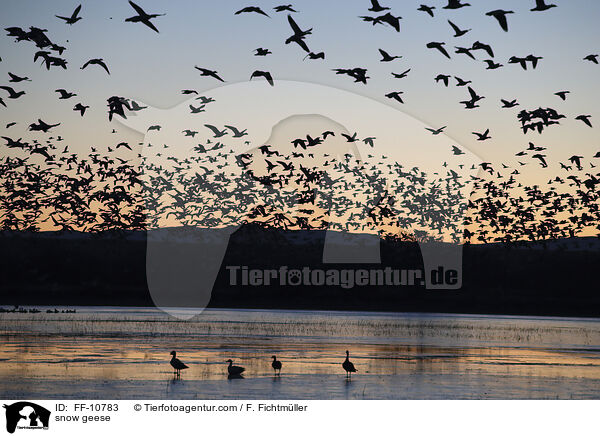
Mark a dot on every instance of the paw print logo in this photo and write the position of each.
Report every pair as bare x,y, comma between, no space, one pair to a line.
294,277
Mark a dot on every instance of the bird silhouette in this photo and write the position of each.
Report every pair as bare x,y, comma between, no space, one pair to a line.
440,47
401,75
482,136
348,366
585,119
385,57
262,52
42,126
283,8
500,16
264,74
177,364
541,5
458,32
455,4
276,365
299,34
99,62
592,58
64,94
12,94
209,73
142,17
427,9
15,79
395,96
311,55
73,18
562,94
250,9
234,370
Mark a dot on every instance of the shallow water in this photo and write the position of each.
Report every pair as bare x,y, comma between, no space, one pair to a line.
124,353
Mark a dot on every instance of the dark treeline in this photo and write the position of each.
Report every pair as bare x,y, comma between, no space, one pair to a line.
559,278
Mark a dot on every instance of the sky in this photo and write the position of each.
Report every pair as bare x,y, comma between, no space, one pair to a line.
155,67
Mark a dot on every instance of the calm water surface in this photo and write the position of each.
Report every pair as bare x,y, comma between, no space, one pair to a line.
124,353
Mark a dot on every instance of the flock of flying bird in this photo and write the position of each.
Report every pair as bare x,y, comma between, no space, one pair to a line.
234,371
102,191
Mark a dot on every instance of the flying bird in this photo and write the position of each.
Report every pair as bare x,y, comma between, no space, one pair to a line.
401,75
283,8
16,79
264,74
73,18
42,126
427,9
249,9
562,94
12,94
376,7
436,131
455,4
142,17
313,56
540,5
299,34
64,94
98,61
585,119
482,136
439,46
395,96
262,51
385,57
500,15
458,32
81,108
209,73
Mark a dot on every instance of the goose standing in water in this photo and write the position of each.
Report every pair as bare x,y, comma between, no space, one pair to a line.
348,366
276,364
177,364
234,370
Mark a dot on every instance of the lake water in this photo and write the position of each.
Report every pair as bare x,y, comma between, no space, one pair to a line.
123,353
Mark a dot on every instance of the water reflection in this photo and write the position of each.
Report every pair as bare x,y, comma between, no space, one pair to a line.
396,355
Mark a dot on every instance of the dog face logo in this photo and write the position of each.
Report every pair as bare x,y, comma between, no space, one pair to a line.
26,415
284,152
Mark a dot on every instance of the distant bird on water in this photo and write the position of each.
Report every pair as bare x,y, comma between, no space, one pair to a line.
177,364
348,366
276,364
234,370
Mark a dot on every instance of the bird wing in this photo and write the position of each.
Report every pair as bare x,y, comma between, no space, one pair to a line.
454,26
76,12
293,25
103,65
269,78
233,129
86,64
213,128
137,8
150,25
